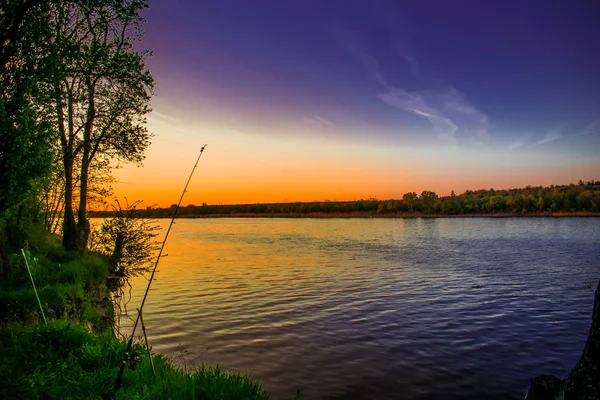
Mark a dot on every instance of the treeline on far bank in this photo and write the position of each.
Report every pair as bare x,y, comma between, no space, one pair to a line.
582,198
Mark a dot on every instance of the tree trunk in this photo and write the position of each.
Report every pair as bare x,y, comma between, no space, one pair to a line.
116,272
117,253
583,382
83,224
70,236
69,239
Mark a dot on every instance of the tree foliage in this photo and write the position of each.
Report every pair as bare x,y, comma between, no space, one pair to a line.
25,154
99,93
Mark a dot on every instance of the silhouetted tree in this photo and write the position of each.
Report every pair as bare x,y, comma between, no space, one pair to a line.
99,94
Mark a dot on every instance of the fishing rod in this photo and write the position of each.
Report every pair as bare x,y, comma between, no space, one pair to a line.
130,343
34,289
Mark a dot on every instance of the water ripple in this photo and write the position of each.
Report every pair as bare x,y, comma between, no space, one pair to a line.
370,309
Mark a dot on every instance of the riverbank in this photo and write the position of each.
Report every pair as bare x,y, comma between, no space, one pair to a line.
76,355
369,215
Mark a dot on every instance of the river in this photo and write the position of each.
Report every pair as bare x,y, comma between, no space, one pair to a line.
464,308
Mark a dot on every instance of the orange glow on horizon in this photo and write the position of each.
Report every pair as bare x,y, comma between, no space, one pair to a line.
238,187
261,167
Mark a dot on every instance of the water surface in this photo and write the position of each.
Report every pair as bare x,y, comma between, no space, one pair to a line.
377,308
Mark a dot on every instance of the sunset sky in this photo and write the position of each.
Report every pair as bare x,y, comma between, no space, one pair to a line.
343,100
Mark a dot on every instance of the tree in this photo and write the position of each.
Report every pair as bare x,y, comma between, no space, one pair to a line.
410,199
100,92
496,203
25,156
428,198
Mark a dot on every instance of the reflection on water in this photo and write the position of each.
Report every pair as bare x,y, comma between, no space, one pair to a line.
368,309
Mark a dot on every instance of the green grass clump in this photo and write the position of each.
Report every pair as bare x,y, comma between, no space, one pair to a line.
71,284
66,361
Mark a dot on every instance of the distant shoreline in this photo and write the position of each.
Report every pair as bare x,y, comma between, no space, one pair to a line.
582,200
368,215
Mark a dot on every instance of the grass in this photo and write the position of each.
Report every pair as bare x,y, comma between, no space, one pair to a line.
76,356
71,285
65,360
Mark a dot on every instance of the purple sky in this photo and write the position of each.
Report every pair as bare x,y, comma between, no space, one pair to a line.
416,86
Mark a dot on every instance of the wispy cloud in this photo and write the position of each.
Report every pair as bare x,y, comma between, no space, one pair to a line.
317,119
591,129
516,144
550,136
163,117
416,104
447,109
159,118
318,122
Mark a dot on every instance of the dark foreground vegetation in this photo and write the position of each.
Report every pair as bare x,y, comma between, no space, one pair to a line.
582,199
66,361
